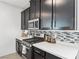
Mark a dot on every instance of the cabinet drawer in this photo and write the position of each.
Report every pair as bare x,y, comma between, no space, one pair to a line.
49,56
37,56
38,51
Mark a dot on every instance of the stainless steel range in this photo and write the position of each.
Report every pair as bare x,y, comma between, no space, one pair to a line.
28,46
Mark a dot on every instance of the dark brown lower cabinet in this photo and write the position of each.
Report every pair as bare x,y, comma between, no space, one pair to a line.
18,47
39,54
49,56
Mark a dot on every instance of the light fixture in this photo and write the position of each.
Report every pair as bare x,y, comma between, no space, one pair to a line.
59,2
44,14
55,2
48,2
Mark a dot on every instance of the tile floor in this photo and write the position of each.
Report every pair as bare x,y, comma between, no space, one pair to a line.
12,56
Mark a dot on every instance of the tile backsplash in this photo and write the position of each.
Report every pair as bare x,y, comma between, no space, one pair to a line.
66,36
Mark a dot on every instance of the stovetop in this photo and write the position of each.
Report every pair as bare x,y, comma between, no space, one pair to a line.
31,41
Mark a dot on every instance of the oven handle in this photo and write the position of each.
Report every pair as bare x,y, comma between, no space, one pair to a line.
25,46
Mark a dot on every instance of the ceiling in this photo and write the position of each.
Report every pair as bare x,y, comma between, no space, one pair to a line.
17,3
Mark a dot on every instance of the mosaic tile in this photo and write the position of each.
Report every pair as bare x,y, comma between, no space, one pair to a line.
62,36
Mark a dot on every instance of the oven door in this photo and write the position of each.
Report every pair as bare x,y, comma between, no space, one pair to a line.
26,52
31,24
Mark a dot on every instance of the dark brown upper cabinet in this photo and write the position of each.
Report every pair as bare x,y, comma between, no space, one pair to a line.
32,9
24,19
46,14
38,7
64,14
54,14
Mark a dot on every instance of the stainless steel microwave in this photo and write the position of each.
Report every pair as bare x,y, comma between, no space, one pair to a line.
33,24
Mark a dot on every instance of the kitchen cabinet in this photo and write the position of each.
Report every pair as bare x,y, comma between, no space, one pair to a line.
24,19
58,15
49,56
64,17
39,54
18,47
54,14
40,9
32,9
37,14
46,14
35,10
27,18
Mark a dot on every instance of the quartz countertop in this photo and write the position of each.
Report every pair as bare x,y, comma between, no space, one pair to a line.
62,50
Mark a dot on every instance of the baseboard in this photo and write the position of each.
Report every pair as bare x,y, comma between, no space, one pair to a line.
7,53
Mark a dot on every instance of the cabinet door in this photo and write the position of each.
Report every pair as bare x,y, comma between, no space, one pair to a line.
65,14
22,20
26,18
32,9
38,8
37,56
46,14
18,48
49,56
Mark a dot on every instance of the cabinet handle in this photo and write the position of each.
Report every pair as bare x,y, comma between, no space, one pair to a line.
38,52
